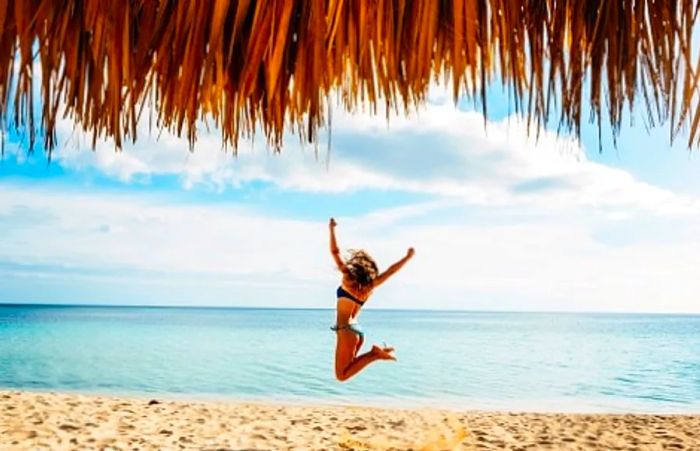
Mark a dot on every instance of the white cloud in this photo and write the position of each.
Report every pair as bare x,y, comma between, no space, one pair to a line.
125,231
139,248
514,223
439,151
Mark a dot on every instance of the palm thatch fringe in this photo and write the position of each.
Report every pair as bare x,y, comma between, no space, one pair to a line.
270,64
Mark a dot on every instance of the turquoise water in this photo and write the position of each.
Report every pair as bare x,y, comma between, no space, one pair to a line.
515,361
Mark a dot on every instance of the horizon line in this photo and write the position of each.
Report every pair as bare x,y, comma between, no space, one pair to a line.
4,304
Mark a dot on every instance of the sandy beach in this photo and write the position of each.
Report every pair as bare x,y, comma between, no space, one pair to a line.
68,421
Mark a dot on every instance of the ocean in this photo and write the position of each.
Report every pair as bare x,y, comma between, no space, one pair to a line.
460,360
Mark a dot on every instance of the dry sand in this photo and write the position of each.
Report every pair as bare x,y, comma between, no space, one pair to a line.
68,421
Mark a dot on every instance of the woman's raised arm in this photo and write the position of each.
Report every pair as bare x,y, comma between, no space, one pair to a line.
335,251
391,270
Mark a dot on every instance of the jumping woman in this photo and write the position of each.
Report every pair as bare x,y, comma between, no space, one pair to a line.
360,277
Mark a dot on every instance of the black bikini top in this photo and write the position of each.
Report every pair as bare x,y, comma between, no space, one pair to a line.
343,293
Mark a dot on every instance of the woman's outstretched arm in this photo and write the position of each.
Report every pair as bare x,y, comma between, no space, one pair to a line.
391,270
335,251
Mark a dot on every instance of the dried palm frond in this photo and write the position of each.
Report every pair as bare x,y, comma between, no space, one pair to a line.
271,64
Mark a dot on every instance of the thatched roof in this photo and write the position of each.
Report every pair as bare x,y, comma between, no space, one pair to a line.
272,64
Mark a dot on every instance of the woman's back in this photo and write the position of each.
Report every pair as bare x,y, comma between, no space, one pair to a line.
350,300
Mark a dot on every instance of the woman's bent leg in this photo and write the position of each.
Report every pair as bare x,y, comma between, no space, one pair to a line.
345,351
347,363
356,365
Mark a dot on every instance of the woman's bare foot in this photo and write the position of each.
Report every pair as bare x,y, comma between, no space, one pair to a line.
383,353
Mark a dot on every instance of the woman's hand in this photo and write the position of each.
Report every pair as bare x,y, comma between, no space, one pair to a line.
411,252
332,223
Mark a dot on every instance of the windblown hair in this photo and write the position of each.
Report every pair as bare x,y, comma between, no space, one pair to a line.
362,269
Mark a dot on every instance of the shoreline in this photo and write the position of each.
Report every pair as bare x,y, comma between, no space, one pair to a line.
51,420
553,406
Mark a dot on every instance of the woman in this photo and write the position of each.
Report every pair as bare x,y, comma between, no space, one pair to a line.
360,277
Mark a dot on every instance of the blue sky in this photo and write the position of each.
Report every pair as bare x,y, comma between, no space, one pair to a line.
499,221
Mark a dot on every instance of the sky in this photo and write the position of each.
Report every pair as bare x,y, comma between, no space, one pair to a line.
499,220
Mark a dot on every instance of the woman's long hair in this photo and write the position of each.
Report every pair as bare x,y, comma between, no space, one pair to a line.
362,269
